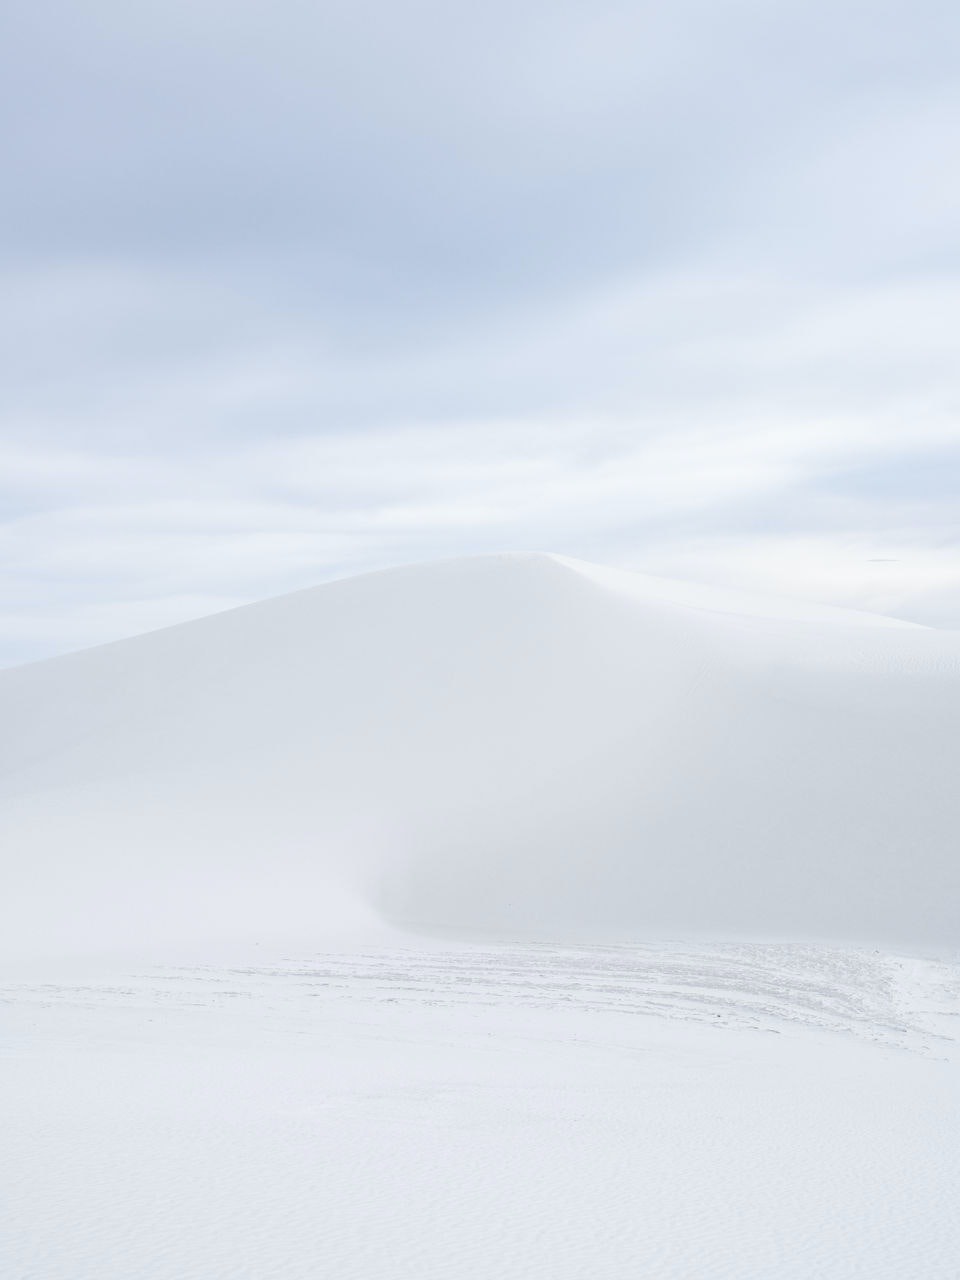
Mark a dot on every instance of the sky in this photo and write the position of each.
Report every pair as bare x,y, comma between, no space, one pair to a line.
295,291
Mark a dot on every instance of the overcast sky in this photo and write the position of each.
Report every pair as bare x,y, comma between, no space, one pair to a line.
294,290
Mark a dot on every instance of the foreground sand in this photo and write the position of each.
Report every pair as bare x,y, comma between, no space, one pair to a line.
433,1110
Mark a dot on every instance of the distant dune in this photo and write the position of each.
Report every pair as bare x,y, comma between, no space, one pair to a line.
519,744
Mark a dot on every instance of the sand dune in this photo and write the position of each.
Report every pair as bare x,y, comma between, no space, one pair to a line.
518,744
265,1075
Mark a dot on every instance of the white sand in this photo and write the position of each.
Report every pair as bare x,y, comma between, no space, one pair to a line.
225,1053
456,1111
514,744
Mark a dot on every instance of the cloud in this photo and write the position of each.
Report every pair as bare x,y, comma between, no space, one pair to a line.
293,293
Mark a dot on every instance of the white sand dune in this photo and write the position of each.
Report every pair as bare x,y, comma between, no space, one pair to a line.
518,744
226,1051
